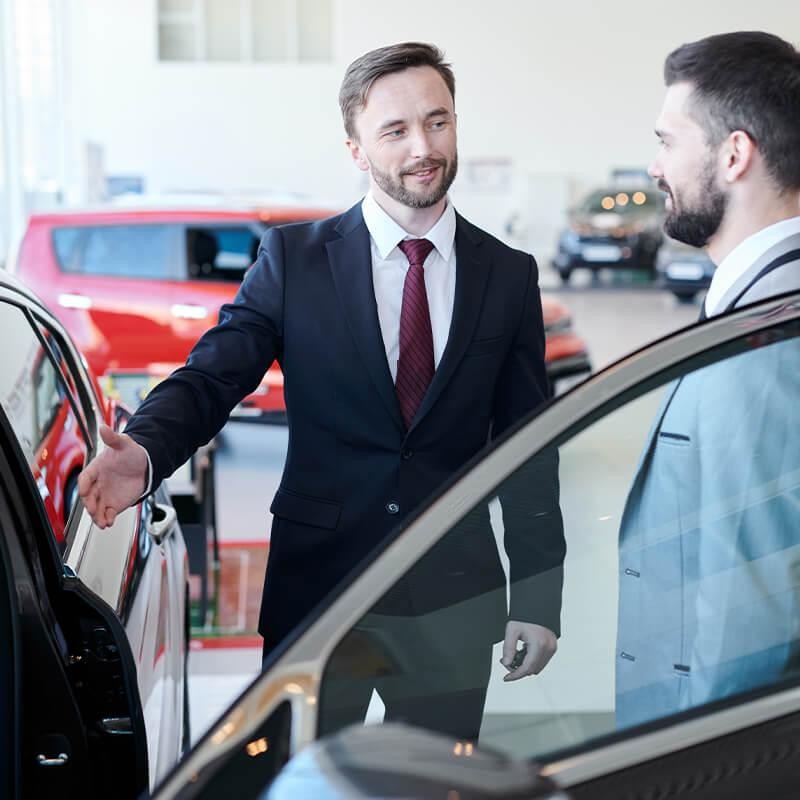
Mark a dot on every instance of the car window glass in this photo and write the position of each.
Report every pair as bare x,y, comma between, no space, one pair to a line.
220,253
35,400
65,367
124,251
681,582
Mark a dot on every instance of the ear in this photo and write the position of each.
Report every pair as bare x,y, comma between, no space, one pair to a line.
738,153
357,154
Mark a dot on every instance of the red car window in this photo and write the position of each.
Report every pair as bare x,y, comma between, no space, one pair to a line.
123,251
219,252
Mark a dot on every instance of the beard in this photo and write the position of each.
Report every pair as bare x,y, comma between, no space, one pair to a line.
424,198
696,225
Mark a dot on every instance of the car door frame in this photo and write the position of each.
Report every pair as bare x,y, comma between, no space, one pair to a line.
170,551
120,597
294,670
40,574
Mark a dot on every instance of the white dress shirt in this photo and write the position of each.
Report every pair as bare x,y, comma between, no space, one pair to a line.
742,257
389,268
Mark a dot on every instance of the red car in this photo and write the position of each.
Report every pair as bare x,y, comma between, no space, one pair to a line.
55,438
136,288
565,354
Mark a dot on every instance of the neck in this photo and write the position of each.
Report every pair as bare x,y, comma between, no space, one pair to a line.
417,221
747,218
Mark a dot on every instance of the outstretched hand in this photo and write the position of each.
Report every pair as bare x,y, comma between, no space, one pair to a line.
115,479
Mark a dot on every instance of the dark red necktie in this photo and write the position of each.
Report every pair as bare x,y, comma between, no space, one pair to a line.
415,365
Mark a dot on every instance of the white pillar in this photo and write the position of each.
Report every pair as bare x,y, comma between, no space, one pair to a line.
15,212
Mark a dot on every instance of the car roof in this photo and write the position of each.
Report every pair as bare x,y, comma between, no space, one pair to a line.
166,208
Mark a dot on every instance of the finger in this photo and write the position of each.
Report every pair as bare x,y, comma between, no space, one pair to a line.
509,648
111,515
89,498
522,670
97,506
104,517
86,480
111,439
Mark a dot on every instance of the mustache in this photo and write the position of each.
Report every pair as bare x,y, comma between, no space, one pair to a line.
428,163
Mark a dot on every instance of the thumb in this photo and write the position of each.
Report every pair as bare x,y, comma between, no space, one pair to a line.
110,438
509,646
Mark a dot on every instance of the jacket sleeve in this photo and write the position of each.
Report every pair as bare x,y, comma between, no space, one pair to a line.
533,527
190,407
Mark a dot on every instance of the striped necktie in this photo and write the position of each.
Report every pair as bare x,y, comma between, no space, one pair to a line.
415,365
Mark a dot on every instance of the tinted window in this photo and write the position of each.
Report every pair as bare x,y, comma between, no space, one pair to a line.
125,251
35,400
220,253
681,582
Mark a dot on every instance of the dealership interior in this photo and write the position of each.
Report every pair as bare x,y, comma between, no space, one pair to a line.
145,150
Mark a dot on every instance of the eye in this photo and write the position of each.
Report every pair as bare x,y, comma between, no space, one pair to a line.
394,134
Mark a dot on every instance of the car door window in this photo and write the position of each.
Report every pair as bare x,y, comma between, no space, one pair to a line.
220,253
37,402
680,501
121,251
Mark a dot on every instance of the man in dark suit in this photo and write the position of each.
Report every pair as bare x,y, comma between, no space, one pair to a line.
408,338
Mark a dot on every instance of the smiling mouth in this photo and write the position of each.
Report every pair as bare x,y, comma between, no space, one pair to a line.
422,174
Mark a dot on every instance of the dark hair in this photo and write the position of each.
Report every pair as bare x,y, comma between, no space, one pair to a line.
364,71
748,81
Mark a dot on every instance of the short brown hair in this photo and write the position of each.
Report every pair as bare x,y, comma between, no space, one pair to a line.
364,71
748,81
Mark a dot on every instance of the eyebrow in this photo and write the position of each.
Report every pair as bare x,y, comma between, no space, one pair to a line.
437,112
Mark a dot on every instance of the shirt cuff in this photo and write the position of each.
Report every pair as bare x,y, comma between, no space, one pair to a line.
149,482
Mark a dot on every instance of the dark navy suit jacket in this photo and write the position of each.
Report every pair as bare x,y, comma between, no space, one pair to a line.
308,301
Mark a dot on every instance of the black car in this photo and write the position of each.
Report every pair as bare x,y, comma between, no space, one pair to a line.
558,733
612,227
684,270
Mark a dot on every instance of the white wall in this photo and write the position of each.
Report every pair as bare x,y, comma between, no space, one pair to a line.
565,91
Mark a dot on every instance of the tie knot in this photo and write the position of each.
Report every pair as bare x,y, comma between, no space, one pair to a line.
416,250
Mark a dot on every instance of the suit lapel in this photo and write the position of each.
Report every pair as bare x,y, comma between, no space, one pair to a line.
472,273
351,264
745,282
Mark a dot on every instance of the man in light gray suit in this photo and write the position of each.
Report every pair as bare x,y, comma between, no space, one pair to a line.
709,601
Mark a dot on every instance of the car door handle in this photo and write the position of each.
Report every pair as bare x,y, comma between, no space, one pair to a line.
161,523
186,311
57,761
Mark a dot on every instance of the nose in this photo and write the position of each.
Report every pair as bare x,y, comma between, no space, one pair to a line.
654,170
420,143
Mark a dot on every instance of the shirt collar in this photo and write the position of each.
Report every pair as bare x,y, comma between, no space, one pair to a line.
743,256
387,234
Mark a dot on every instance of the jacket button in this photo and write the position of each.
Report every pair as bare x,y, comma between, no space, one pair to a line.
393,508
406,454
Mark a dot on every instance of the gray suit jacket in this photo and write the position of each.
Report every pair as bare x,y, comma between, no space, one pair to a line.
709,600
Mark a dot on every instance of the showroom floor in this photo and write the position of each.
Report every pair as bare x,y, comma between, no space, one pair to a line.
615,315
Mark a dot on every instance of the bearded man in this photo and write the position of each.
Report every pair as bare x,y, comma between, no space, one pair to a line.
710,534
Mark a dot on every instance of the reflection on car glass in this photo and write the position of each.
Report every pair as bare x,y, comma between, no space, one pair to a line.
681,513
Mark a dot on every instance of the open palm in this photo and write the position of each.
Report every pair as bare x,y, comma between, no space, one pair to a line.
114,479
